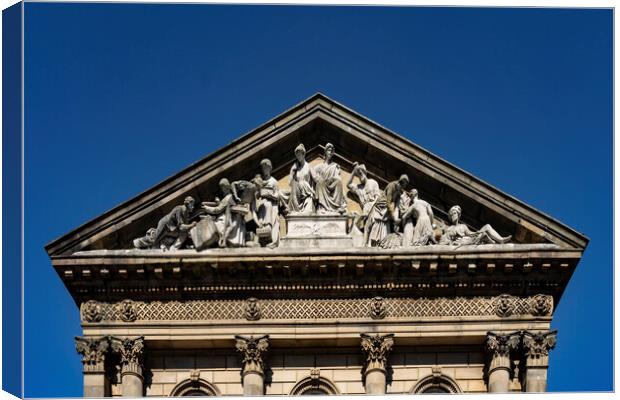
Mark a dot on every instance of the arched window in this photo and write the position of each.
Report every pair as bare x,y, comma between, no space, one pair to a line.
313,385
194,387
436,383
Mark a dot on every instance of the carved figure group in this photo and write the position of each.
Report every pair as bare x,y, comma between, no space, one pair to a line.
389,218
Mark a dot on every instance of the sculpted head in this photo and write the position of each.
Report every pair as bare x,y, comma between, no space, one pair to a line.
329,151
361,172
413,193
403,180
300,153
454,214
266,167
189,203
225,186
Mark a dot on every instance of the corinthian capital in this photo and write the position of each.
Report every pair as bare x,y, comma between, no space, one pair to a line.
501,345
252,350
499,348
131,353
536,346
377,348
93,353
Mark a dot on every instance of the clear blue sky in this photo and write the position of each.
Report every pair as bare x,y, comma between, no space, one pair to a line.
119,97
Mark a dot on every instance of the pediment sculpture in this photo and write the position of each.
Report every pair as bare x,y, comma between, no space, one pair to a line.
315,210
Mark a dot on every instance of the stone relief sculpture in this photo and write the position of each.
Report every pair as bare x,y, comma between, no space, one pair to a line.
265,211
229,215
328,185
389,218
301,198
460,235
393,193
172,230
420,234
365,193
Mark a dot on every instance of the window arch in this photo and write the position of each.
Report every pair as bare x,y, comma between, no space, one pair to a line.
436,383
312,385
194,387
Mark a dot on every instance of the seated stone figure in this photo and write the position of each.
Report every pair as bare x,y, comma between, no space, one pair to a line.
328,185
172,230
460,235
365,193
229,215
301,197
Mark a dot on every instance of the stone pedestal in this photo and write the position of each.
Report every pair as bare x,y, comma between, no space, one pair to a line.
317,231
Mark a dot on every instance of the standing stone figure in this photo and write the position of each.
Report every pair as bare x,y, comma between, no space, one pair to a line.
172,230
459,234
265,211
229,217
328,185
393,193
422,233
300,180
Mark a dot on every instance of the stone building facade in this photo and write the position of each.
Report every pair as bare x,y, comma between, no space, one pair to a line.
319,271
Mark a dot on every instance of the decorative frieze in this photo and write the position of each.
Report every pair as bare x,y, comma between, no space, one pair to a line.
127,310
91,311
252,311
375,308
541,305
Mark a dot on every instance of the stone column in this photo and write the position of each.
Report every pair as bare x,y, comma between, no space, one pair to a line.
535,359
499,349
131,353
93,352
377,349
252,350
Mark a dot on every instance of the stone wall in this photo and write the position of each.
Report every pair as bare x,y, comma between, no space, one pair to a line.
342,367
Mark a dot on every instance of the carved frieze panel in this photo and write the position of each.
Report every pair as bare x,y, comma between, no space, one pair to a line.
270,309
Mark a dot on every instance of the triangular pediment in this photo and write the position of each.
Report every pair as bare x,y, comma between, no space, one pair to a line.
315,122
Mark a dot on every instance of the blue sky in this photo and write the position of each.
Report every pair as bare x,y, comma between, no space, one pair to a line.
119,97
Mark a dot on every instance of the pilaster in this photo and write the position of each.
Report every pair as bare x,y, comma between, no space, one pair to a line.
93,352
252,351
535,358
500,366
131,354
377,349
